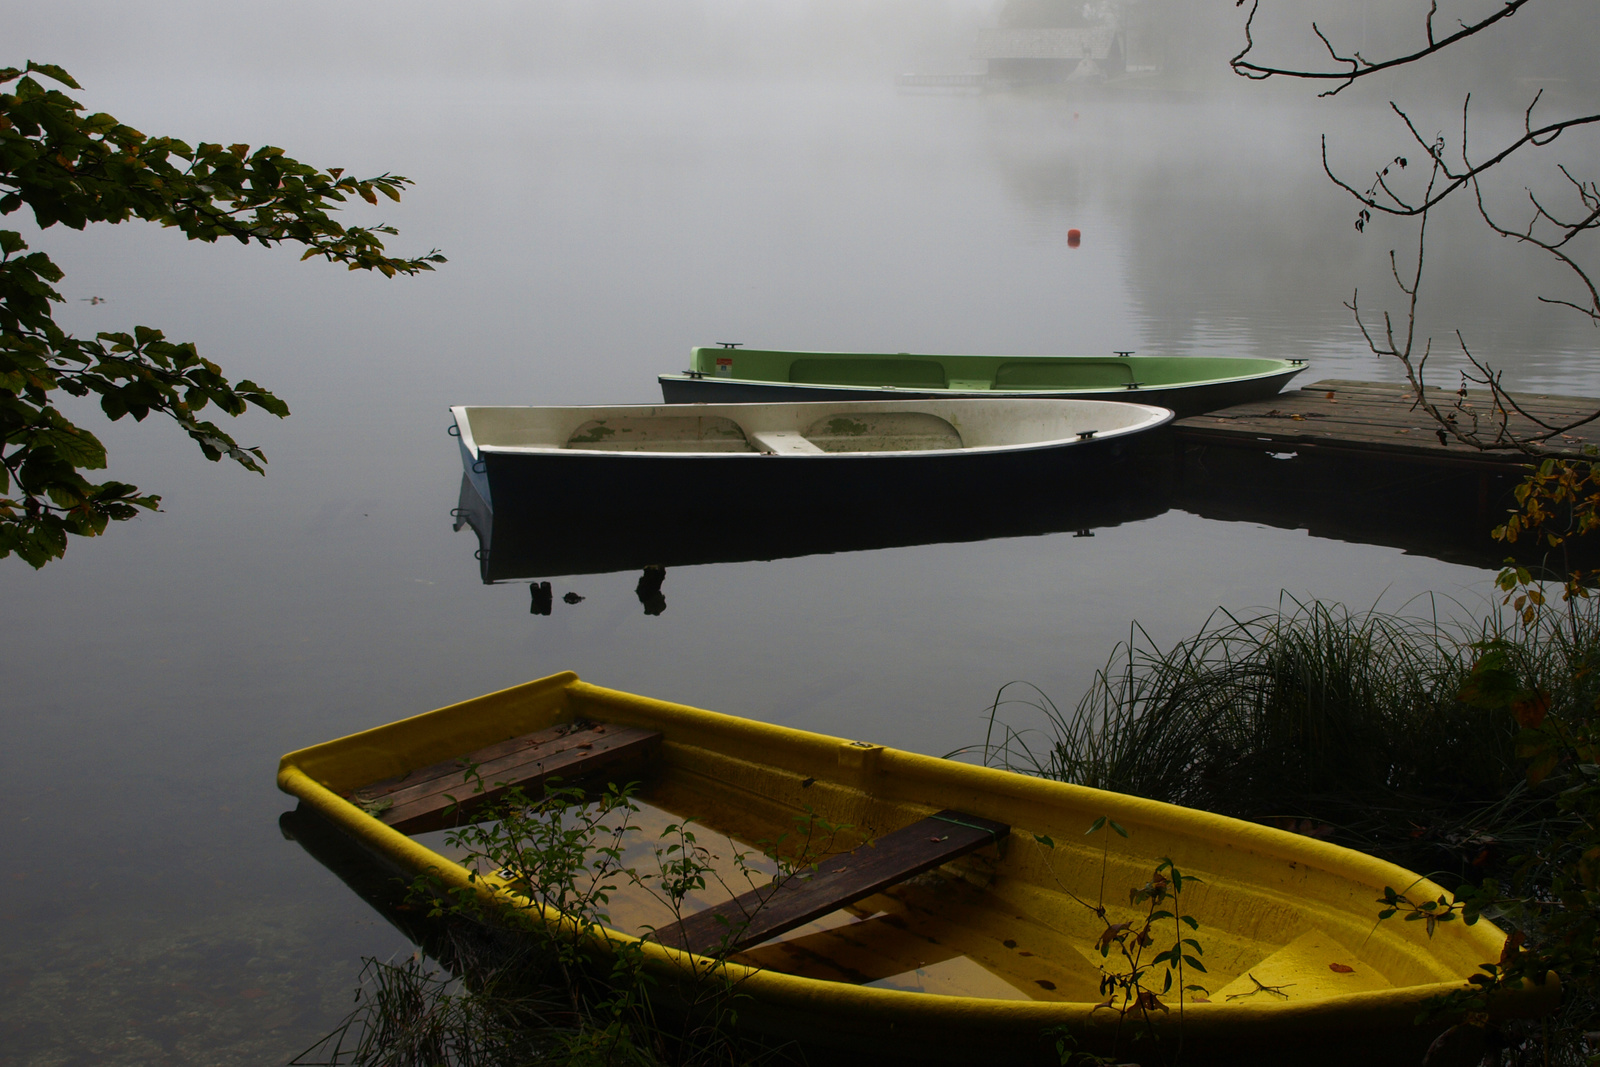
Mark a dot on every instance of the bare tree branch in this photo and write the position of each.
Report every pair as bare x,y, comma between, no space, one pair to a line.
1460,419
1552,227
1455,179
1360,67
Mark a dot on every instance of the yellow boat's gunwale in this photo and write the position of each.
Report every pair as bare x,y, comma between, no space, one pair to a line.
887,1007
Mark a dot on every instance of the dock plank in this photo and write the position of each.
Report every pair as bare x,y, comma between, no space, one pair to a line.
1382,417
448,793
770,910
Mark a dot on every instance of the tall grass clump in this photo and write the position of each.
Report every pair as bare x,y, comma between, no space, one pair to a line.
412,1013
1349,726
504,1008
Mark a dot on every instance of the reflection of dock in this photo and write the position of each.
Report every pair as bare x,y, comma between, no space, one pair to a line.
1423,510
1373,419
1353,461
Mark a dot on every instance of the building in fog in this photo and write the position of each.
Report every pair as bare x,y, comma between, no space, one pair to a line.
1070,40
1052,53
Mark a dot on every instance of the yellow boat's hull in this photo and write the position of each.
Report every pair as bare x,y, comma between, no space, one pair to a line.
1273,907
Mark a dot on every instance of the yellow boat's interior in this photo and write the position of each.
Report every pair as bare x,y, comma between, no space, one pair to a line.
1022,919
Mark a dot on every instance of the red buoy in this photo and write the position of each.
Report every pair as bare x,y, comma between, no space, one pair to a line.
1074,237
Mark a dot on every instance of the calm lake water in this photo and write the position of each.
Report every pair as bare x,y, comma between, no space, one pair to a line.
597,230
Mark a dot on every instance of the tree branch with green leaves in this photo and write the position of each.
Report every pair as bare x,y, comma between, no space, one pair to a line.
72,169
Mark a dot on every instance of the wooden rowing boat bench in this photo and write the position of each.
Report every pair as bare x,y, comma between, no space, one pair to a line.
831,884
447,794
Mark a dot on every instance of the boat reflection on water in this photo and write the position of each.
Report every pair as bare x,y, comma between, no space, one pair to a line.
530,537
1443,512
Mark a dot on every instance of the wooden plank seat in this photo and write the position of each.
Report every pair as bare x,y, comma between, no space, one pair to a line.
446,794
835,882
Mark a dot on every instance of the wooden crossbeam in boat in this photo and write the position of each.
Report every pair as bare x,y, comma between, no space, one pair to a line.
774,909
446,794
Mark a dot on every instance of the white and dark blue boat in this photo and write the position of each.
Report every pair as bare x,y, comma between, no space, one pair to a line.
655,463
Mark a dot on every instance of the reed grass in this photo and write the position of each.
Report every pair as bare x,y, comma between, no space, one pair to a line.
488,996
1345,725
411,1013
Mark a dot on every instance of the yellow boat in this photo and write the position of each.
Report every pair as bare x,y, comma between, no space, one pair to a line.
989,956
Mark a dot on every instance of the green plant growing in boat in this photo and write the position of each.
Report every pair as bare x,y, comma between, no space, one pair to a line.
565,854
1133,991
1431,912
563,851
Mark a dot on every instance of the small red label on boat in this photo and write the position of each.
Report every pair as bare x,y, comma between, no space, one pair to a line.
725,366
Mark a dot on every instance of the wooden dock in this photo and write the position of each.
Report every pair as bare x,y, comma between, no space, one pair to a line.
1380,419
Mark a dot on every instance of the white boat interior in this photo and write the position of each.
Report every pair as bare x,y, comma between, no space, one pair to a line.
807,429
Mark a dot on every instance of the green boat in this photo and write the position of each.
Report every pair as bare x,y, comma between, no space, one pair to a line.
1187,385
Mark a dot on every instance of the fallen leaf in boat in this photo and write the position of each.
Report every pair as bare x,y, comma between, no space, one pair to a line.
1148,1001
1340,968
1111,933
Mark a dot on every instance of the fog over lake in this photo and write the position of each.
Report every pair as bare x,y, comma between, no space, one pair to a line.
614,183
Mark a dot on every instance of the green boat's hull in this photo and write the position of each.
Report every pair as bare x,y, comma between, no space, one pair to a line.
1186,385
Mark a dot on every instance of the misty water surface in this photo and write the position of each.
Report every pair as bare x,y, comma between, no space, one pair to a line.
597,227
